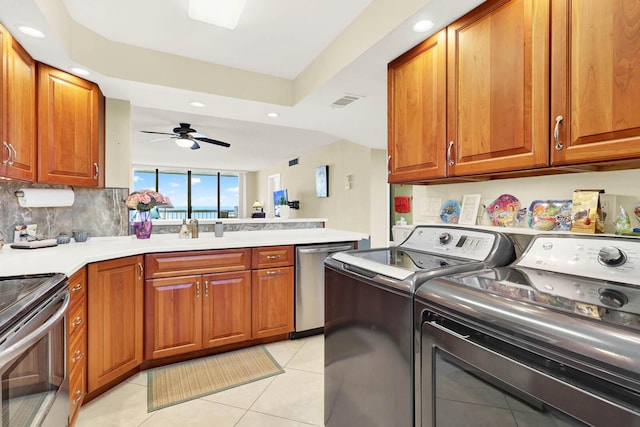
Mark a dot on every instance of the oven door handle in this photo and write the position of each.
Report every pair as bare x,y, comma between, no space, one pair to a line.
17,345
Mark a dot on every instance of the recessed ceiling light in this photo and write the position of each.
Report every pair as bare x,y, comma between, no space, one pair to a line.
197,104
223,13
80,71
31,32
422,26
272,115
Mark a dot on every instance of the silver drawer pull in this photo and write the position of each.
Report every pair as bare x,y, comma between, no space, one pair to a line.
77,287
556,133
273,272
274,256
78,393
77,322
77,356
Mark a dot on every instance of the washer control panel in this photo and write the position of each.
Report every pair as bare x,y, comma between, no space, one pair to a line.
605,258
449,241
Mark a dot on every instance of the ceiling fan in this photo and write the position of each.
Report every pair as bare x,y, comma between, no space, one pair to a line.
186,137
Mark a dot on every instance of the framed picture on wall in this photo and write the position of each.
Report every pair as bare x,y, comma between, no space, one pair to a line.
469,209
322,181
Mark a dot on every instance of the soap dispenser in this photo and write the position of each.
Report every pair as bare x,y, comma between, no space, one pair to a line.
184,229
195,231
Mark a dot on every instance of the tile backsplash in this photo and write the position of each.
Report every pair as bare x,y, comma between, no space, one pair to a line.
99,212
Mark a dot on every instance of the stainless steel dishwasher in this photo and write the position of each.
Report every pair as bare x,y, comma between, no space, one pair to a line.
309,295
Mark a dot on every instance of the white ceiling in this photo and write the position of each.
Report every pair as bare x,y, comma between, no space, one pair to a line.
304,45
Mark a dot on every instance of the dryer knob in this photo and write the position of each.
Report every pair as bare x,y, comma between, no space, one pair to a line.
444,238
611,256
611,298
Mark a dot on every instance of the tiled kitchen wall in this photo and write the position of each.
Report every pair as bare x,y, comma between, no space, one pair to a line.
99,212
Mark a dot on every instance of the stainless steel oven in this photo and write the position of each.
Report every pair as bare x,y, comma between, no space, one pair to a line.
552,340
34,390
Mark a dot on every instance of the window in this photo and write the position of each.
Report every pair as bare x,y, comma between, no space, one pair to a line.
201,195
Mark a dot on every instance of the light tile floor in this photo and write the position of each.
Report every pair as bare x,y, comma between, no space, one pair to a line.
292,399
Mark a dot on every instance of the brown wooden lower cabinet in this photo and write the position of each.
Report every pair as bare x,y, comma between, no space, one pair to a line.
189,313
271,301
115,319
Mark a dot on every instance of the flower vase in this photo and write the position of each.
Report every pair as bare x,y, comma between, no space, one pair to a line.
142,224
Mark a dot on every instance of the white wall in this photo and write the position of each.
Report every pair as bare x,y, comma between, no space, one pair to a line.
117,143
363,208
620,183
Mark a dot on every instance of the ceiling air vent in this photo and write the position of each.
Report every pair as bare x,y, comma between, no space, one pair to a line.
345,100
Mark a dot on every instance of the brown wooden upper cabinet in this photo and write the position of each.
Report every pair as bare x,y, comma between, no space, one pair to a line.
531,84
17,110
417,112
70,129
498,88
595,81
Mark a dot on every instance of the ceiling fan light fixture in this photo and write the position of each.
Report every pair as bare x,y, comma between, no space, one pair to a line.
184,142
222,13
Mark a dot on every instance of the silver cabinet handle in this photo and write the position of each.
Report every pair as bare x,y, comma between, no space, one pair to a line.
77,322
449,159
206,288
556,133
77,287
78,393
15,155
141,268
274,256
78,355
95,165
273,272
198,289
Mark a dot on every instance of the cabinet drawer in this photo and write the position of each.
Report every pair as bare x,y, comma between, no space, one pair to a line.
78,286
77,319
272,256
196,262
77,391
77,355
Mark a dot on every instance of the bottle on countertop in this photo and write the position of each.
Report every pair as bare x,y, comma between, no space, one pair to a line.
193,225
184,229
219,229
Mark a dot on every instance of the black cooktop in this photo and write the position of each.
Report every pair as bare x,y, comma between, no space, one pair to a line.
19,294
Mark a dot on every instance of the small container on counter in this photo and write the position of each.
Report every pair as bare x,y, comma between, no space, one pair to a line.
219,229
184,229
80,236
195,231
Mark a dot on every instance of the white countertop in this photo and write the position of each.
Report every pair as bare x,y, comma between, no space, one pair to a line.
70,257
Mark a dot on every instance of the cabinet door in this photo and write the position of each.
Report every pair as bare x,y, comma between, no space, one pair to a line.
417,112
271,302
498,88
114,312
70,129
173,315
595,80
227,308
18,110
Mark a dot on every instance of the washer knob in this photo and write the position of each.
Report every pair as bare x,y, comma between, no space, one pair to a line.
611,298
611,256
444,238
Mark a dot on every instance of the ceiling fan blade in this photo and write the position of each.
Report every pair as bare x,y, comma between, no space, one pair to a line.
159,133
162,139
212,141
195,146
